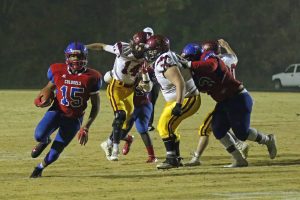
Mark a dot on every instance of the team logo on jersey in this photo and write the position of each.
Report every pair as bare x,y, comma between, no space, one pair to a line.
63,76
205,82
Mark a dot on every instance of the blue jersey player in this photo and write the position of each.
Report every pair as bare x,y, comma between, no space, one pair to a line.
74,84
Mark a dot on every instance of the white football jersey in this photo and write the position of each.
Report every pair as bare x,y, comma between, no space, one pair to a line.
230,61
162,63
126,67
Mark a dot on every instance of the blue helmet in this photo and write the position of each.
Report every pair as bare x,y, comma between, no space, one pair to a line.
76,56
192,52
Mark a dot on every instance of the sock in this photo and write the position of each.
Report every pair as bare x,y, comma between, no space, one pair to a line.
177,149
116,147
229,144
150,151
256,136
109,142
40,166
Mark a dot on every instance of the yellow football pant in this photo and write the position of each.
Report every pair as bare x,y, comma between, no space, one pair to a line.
205,128
121,98
168,124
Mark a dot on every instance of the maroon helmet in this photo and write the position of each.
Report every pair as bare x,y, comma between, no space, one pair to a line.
211,45
137,44
155,46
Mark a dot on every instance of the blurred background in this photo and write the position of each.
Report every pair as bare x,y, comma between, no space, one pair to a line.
34,33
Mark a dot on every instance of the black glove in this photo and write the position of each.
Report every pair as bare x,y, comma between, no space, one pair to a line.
176,111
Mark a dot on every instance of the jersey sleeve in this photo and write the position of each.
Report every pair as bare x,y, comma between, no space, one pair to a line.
50,75
97,84
166,61
119,49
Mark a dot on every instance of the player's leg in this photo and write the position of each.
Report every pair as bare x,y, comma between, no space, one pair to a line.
67,131
118,95
167,128
240,120
143,114
44,129
125,134
242,146
220,126
204,133
154,95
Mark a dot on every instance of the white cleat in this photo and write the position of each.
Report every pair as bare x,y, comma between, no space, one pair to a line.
237,163
243,147
271,145
107,149
114,156
195,161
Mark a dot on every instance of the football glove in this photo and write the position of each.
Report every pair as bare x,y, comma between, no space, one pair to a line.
83,135
176,111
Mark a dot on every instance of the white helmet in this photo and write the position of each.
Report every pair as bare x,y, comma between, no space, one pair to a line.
149,31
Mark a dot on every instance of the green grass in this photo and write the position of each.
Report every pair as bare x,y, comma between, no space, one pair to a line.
84,172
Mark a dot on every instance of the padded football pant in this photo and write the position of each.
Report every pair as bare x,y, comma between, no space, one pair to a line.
233,113
67,129
168,123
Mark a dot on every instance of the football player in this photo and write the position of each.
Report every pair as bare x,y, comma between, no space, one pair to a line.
179,90
233,108
74,84
141,114
155,88
192,52
128,61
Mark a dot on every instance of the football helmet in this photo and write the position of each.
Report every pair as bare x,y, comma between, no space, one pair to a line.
138,43
149,32
211,45
192,52
76,56
155,46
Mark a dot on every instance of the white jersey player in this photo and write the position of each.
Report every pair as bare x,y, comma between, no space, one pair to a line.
181,95
120,90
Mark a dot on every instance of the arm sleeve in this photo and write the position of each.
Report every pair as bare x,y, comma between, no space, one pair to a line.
207,66
109,48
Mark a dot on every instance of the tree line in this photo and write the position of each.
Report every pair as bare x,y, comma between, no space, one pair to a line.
34,33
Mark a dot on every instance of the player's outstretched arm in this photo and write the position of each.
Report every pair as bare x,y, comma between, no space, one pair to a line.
226,46
95,46
83,132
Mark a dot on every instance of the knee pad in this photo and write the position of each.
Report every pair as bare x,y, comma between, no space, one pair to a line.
120,117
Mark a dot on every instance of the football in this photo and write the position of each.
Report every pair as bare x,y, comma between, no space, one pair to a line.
45,98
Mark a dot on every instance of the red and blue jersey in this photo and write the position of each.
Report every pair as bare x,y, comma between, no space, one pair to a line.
73,90
213,77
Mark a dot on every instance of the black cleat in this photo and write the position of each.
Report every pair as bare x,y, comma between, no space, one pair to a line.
37,172
39,148
170,162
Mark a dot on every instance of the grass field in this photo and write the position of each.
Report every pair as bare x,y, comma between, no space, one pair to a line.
84,172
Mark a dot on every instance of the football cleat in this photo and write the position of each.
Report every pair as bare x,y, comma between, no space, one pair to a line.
243,148
107,149
37,172
151,128
152,159
195,161
114,155
237,163
127,144
271,145
170,162
39,148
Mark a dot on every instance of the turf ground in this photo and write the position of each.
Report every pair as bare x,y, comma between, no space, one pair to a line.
84,172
